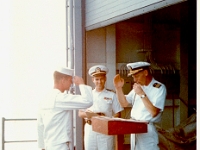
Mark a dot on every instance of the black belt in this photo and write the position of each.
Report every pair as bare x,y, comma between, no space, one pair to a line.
100,114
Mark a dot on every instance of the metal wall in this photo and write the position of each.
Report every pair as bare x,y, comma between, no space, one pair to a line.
102,13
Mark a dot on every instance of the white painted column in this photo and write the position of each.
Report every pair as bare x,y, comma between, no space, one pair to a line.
78,66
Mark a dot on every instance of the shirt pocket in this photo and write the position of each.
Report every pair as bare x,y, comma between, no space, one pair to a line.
108,100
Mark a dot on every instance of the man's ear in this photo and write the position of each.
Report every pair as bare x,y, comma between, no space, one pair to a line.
92,79
146,72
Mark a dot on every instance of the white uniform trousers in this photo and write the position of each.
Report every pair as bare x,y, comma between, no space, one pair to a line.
97,141
145,141
62,146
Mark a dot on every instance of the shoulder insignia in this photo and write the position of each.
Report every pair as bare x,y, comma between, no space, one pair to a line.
110,90
157,85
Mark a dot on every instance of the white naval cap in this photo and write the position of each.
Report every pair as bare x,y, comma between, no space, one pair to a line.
98,70
65,70
137,67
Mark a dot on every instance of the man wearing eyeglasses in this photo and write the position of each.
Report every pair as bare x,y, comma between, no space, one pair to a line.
148,100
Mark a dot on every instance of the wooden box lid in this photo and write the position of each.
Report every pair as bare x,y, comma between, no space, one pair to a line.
115,126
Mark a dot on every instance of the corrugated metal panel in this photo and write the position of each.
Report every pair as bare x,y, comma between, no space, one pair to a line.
99,10
102,13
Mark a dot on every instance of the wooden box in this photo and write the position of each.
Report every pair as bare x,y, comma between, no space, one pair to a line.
115,126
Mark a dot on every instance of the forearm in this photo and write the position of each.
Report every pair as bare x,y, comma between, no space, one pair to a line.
69,101
82,114
146,101
86,93
121,98
150,107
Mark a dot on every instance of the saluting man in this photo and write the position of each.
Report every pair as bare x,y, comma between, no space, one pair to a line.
104,103
147,98
55,115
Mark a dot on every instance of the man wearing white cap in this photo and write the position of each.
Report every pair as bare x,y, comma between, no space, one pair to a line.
147,98
55,115
104,103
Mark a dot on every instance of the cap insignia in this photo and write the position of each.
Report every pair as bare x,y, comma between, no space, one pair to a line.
98,69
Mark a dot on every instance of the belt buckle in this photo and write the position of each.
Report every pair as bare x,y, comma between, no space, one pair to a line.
89,122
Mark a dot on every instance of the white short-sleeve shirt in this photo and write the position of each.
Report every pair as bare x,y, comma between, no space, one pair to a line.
105,102
156,93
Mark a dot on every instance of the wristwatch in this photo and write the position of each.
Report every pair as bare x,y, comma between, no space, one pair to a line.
143,96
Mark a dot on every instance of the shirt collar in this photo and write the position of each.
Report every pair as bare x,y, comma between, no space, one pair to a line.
99,92
150,84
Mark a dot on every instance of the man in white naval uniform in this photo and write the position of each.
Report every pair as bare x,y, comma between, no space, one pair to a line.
147,98
104,103
55,115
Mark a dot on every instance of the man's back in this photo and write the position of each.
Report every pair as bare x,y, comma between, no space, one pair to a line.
54,122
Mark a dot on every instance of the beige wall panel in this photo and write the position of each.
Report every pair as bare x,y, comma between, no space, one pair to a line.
101,49
95,46
95,50
111,55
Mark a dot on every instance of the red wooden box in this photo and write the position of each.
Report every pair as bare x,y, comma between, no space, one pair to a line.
115,126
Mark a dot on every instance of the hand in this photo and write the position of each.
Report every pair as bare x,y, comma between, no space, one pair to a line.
89,114
118,81
138,89
87,110
78,80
